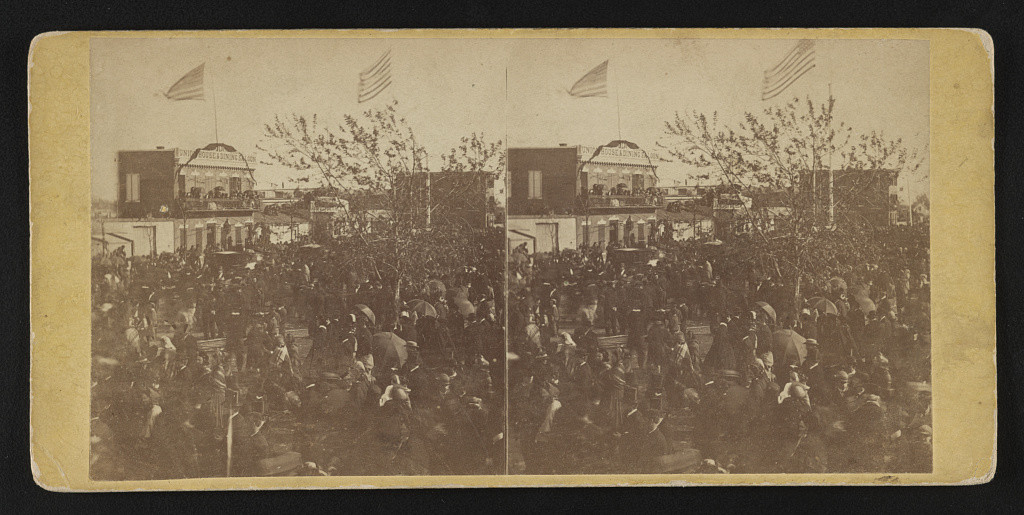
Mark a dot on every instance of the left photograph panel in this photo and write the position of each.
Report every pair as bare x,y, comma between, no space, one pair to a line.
298,257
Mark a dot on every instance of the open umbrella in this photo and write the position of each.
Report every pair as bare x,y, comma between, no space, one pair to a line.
767,308
388,349
788,348
465,307
823,305
364,309
866,305
837,284
423,307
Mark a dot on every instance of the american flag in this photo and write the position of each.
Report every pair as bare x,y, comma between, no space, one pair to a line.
189,87
797,62
376,78
593,84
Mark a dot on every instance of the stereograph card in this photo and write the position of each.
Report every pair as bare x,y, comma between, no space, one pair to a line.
486,258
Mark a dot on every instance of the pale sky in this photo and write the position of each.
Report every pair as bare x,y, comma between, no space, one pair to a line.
878,85
446,89
451,88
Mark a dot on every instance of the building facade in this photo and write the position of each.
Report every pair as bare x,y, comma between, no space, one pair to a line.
208,192
457,198
609,192
854,196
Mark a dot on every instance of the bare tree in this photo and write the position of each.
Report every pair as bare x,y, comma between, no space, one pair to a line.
793,151
469,169
376,162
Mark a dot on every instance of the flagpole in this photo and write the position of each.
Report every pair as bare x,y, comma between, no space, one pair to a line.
213,93
618,113
831,174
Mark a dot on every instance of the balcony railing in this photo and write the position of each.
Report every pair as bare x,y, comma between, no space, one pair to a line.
620,201
219,204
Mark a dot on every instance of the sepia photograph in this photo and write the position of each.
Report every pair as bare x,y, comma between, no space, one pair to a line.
719,256
318,259
298,258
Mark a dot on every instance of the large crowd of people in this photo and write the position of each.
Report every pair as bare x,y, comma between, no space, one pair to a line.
685,357
705,359
284,360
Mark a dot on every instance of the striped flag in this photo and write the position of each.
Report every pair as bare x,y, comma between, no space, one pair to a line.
376,78
189,87
593,84
797,62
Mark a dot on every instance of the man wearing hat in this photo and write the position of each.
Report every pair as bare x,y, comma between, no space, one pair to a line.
811,370
835,394
413,360
348,346
441,391
584,375
808,325
490,334
365,391
406,329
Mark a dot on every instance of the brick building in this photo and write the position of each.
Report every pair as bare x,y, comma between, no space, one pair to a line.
207,191
609,192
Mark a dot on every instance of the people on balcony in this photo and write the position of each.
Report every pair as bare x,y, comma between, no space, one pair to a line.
227,200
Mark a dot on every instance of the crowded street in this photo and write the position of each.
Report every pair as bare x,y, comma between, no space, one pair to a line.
277,359
700,360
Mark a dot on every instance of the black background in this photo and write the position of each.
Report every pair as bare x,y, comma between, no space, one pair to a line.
1002,19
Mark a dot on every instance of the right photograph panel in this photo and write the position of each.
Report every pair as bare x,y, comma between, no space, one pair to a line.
718,256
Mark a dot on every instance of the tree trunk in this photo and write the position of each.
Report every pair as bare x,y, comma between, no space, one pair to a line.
797,299
396,302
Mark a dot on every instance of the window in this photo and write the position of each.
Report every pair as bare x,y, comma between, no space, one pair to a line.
131,187
535,186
